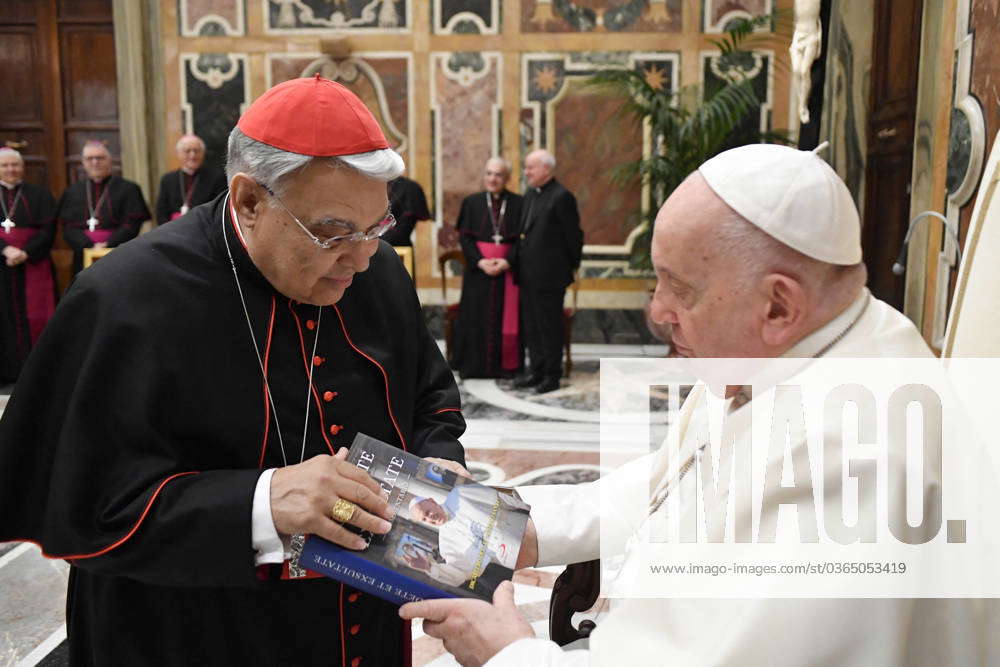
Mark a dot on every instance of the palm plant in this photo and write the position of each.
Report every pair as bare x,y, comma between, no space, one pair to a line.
691,125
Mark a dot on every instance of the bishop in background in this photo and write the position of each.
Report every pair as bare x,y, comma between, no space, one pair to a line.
101,210
488,341
192,184
180,426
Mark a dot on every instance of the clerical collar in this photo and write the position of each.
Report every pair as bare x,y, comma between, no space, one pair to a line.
101,181
545,185
823,338
189,172
9,186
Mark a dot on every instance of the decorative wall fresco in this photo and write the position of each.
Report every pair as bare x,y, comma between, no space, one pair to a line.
381,80
718,70
600,15
465,100
214,93
299,16
205,18
716,14
583,128
466,16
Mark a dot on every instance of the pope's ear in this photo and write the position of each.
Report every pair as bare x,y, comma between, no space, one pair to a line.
786,310
248,199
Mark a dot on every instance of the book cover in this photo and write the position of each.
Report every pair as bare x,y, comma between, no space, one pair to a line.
451,536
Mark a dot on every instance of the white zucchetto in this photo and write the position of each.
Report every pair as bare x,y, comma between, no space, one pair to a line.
792,195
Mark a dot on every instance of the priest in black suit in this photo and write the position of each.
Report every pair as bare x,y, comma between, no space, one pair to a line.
191,185
179,426
101,210
488,343
547,254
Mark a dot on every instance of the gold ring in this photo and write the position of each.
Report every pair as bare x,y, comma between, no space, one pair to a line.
343,511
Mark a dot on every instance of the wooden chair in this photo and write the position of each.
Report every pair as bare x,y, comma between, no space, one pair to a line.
575,590
91,255
450,310
406,256
568,315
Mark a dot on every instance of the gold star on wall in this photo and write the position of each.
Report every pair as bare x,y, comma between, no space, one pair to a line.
546,79
656,77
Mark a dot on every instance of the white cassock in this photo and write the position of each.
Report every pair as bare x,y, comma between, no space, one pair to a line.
767,631
468,528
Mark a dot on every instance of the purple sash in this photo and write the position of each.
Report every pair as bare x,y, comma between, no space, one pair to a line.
98,235
509,356
38,288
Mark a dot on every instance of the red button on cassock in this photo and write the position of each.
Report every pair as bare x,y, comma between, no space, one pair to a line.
310,324
317,360
355,662
355,629
329,396
353,597
336,428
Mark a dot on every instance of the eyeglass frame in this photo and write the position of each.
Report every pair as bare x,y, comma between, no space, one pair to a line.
376,231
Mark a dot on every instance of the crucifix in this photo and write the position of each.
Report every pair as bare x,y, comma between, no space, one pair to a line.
92,223
7,225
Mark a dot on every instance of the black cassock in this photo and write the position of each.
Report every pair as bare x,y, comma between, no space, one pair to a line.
409,205
178,188
28,291
118,206
135,437
478,342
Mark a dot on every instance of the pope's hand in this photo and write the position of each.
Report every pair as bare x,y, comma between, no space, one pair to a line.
453,466
472,630
302,496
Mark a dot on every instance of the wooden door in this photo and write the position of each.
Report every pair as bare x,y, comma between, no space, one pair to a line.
891,118
59,88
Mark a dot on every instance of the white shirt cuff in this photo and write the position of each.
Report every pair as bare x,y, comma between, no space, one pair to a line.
538,653
267,544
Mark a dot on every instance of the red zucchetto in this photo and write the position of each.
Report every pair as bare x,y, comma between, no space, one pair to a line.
313,116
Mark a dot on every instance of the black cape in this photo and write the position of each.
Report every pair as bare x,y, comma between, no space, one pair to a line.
123,211
204,185
36,209
477,343
134,439
409,205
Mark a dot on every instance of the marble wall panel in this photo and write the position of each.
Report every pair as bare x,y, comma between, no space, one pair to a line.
600,16
716,14
583,128
211,17
466,16
310,16
466,100
984,84
756,66
381,80
214,92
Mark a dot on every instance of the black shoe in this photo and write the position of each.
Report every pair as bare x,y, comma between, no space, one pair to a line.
527,380
547,385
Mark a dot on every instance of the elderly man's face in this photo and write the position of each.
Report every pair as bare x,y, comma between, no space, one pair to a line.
191,153
96,162
699,292
11,168
495,177
329,201
430,512
536,172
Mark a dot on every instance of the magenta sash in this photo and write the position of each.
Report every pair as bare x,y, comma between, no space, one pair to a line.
509,350
39,291
98,235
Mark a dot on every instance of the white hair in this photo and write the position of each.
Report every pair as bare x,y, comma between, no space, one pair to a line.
272,166
547,158
503,163
7,150
189,136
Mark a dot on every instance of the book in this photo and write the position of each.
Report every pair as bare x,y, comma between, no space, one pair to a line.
451,536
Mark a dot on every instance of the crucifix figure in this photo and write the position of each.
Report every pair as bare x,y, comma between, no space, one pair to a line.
7,225
92,223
